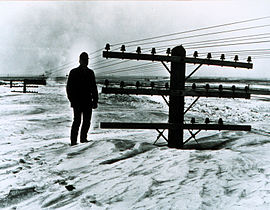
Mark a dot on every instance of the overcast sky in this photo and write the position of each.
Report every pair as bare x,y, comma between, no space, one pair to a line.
38,37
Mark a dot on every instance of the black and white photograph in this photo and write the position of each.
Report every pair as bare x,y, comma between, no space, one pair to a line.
135,105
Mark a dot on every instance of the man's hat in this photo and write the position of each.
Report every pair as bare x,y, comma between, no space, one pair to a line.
84,56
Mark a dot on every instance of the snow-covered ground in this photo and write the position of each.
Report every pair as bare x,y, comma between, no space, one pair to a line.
122,169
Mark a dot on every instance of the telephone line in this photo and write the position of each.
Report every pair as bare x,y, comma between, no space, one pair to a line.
59,69
183,32
200,35
215,40
190,37
112,64
223,42
236,51
125,70
225,45
193,30
129,68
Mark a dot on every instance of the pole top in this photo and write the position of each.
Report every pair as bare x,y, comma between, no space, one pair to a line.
179,50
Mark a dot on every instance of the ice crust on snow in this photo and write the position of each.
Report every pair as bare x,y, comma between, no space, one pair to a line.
121,169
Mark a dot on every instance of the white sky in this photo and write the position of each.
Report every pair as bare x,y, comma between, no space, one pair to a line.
39,36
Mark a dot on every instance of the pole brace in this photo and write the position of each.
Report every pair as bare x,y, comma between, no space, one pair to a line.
190,106
167,68
192,72
160,135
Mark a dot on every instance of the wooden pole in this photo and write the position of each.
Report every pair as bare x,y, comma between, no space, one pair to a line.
24,86
176,104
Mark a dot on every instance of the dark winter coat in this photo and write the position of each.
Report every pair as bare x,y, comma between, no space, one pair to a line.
81,88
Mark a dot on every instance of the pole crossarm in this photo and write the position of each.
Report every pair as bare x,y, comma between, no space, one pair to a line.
27,81
176,59
139,91
259,92
35,81
18,91
148,57
219,63
186,92
127,125
21,78
132,125
217,127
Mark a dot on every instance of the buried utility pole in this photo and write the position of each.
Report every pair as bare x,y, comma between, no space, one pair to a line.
176,102
177,92
24,83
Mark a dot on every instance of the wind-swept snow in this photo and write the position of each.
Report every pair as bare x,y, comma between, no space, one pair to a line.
121,169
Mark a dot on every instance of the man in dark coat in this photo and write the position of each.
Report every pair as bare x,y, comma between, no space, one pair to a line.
83,96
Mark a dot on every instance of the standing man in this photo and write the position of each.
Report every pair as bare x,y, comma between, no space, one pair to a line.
83,96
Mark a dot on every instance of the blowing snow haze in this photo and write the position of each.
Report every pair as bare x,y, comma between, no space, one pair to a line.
41,36
47,37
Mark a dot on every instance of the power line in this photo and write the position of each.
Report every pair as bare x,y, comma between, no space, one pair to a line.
241,54
257,36
225,45
112,64
238,51
129,68
239,38
193,30
258,51
58,69
200,35
135,69
216,40
66,64
183,32
224,40
143,65
92,53
103,61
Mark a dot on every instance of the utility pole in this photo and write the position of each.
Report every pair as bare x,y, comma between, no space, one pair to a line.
177,102
177,93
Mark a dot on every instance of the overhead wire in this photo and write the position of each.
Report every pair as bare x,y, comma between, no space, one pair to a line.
192,36
200,35
135,67
222,40
112,64
183,32
237,51
60,68
259,51
240,52
193,30
237,43
231,44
